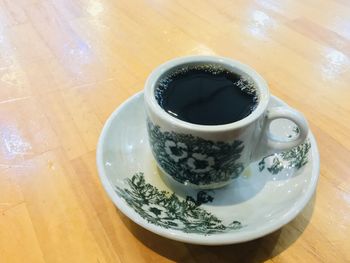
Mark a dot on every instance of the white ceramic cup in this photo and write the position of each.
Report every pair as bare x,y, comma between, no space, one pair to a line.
211,156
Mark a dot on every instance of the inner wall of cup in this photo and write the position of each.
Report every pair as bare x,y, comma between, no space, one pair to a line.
174,70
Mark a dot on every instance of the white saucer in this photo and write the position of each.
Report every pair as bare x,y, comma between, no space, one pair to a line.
268,195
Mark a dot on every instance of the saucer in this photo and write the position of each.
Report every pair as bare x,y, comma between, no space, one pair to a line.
268,195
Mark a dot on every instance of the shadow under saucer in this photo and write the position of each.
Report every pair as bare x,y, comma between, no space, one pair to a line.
258,250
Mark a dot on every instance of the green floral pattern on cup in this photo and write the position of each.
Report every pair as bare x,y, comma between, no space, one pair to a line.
166,210
195,160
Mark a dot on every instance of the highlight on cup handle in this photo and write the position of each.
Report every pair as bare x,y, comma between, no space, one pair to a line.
270,143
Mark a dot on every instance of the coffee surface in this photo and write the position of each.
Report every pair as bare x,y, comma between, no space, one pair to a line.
206,95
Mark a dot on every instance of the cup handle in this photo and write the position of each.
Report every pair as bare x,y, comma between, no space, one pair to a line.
270,143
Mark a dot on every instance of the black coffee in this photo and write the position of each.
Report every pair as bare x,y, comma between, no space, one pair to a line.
206,95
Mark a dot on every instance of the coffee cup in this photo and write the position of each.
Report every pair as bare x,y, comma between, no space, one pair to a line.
209,117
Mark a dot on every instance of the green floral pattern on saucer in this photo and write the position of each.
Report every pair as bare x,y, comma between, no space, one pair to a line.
294,158
165,209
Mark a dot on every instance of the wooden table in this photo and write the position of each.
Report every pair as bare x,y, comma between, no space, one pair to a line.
66,65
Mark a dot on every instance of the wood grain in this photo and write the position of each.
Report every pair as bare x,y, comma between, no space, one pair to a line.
65,65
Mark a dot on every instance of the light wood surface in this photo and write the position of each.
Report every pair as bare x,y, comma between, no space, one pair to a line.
65,65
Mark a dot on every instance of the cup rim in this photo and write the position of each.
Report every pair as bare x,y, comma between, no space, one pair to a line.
150,85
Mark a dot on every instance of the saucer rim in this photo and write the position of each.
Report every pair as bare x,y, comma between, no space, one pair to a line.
192,238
